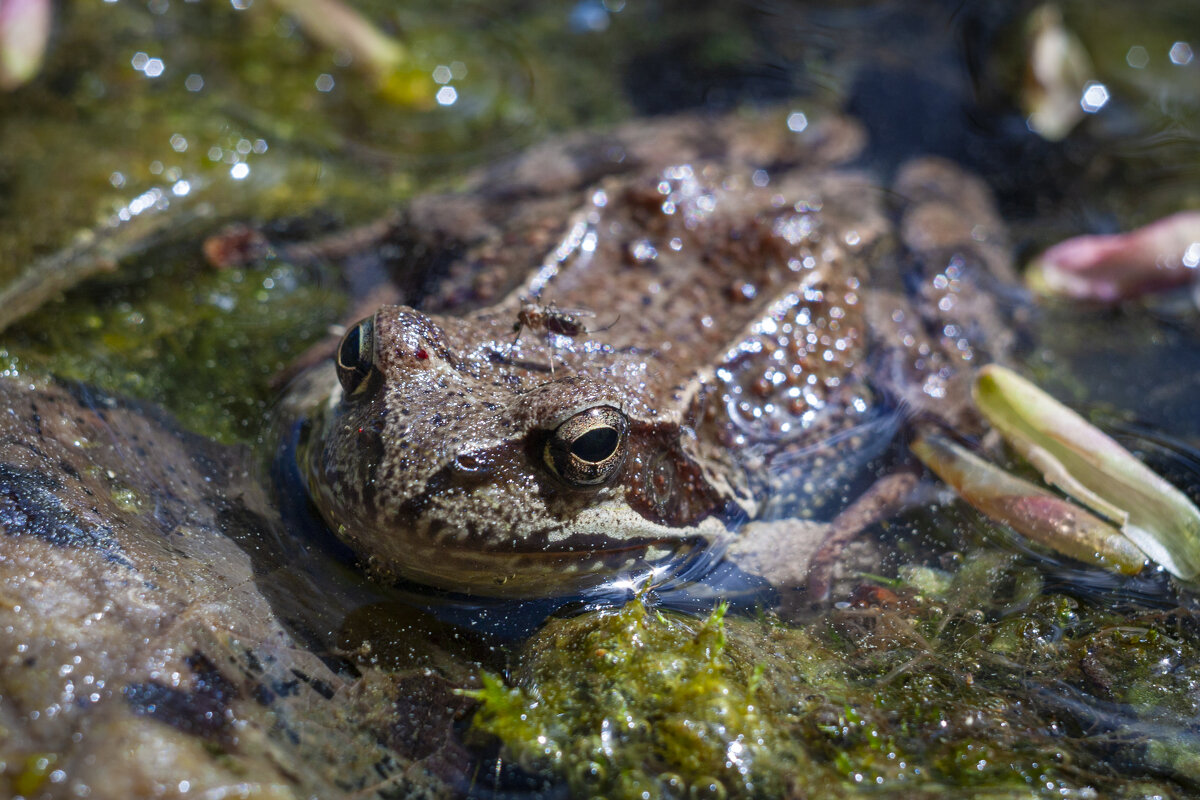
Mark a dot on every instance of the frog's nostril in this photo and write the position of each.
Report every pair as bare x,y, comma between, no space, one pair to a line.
467,462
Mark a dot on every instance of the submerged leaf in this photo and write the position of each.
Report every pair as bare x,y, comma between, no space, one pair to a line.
1090,466
1030,510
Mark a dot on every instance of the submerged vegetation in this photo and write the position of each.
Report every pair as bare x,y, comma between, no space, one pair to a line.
213,362
979,676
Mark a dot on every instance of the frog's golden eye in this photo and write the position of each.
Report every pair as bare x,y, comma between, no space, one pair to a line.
588,448
356,357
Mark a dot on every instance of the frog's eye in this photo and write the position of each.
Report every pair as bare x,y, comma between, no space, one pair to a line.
588,448
356,357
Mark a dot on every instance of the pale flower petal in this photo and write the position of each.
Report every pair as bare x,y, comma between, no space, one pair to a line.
1109,268
1030,510
24,30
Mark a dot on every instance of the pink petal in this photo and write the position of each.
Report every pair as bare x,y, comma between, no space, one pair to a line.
1161,255
24,29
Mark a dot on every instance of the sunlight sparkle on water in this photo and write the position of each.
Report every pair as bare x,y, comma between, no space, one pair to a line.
1191,256
239,171
1181,53
446,96
1095,97
635,583
150,67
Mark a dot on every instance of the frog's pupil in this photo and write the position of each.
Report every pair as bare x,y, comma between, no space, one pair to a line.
350,352
595,445
354,356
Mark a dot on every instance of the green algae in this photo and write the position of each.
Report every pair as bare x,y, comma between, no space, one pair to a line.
651,702
204,343
974,678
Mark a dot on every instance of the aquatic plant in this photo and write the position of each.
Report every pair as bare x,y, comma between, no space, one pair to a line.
974,676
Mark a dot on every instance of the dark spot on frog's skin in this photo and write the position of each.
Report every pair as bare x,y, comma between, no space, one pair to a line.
29,505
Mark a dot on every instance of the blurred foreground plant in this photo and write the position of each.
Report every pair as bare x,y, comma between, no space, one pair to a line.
24,31
384,59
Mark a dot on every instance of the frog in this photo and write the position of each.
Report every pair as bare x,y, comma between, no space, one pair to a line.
735,320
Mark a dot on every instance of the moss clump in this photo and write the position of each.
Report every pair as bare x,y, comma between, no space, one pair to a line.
637,703
974,677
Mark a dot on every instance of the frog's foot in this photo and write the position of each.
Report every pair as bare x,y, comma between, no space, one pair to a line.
779,551
793,553
883,500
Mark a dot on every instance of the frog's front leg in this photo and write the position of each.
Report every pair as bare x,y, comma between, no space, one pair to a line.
885,498
779,551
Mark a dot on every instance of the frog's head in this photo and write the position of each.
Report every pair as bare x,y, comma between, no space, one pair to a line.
442,459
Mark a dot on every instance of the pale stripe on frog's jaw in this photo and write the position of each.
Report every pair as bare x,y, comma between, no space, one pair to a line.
607,543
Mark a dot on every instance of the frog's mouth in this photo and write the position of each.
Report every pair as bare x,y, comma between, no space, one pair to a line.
599,547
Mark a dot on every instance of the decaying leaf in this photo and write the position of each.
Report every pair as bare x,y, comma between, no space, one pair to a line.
1032,511
1091,467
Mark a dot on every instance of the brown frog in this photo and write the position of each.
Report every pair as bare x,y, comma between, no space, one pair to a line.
754,346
